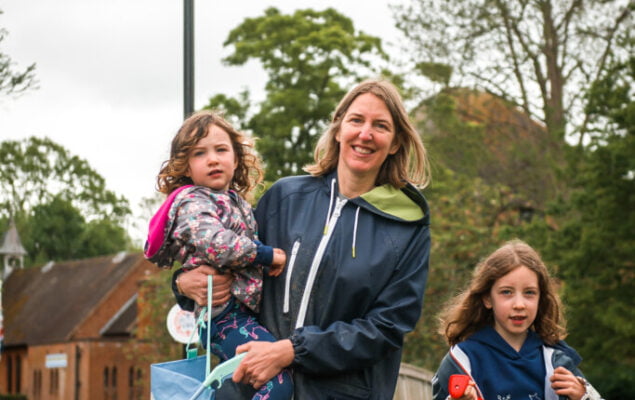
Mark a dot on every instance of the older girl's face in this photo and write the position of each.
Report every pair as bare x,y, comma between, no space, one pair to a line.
366,137
514,300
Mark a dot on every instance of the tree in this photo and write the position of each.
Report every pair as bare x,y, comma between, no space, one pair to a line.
468,214
309,57
59,203
474,207
538,54
595,247
52,232
12,81
589,242
34,171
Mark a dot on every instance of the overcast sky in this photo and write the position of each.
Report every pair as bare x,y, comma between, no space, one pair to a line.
110,74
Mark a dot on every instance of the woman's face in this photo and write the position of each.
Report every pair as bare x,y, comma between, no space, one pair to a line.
366,138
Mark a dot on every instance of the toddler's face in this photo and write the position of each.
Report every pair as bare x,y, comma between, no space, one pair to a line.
212,161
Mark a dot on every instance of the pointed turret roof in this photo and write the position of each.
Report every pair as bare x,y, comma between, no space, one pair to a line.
11,243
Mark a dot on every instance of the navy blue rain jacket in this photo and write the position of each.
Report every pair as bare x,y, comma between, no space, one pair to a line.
353,285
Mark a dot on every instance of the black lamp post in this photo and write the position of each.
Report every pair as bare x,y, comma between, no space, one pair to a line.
188,58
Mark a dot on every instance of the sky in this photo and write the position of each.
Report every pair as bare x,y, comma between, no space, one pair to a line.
110,75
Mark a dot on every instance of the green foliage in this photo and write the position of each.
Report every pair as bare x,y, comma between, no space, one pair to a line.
58,231
103,236
595,248
584,233
467,216
53,232
154,302
235,109
436,72
36,170
60,205
12,81
13,397
308,56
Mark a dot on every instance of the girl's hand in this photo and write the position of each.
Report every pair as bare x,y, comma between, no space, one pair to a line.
264,360
566,384
278,263
470,392
193,284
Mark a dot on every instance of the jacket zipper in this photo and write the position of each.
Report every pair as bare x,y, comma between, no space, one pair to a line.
317,259
287,282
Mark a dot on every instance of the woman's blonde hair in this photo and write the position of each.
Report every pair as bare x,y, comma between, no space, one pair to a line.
408,164
173,171
466,313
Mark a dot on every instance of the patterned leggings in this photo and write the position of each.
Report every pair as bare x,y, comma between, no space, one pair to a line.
239,326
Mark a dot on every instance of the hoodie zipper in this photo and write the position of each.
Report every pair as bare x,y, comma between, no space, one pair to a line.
317,259
287,281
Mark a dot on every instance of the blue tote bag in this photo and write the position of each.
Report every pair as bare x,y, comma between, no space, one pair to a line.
191,378
180,380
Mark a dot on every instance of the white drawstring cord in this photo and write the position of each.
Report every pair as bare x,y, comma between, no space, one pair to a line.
328,215
355,230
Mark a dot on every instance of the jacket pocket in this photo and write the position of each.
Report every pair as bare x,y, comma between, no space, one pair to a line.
287,282
349,386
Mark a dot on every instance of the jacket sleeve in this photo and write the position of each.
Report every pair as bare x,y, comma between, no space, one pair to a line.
200,231
184,302
440,379
371,337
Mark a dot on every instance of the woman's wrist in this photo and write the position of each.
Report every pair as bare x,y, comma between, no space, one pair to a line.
178,285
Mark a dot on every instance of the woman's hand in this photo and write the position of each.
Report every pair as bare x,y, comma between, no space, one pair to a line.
263,361
193,284
566,384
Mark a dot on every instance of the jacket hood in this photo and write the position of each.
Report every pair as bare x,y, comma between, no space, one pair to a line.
406,204
490,338
569,351
158,223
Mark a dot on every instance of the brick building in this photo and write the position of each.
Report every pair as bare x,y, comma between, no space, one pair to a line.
68,330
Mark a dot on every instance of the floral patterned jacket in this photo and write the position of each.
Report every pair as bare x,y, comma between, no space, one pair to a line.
200,226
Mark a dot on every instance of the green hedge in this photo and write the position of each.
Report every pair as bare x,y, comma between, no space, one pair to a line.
13,397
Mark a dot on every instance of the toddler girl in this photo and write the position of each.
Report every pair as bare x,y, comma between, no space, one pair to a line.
206,220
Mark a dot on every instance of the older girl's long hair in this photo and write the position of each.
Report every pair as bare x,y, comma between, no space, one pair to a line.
408,164
466,313
173,171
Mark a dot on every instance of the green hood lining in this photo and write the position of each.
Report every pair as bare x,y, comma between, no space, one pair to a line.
395,202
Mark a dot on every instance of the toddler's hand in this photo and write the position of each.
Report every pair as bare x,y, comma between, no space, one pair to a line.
279,260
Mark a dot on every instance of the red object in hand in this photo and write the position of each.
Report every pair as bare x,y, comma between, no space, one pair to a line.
457,385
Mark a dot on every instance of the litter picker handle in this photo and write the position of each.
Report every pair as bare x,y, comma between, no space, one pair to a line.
223,371
457,385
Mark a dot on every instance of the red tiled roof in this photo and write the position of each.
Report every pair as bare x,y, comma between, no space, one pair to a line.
46,304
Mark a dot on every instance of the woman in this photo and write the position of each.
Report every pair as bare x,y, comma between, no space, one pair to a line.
356,232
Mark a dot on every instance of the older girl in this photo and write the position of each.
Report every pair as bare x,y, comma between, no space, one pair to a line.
506,334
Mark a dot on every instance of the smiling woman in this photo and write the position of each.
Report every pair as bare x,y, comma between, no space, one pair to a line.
366,139
357,234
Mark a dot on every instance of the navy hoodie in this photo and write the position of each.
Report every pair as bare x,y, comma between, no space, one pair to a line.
501,372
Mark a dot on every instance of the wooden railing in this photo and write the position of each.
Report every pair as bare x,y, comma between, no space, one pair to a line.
414,383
